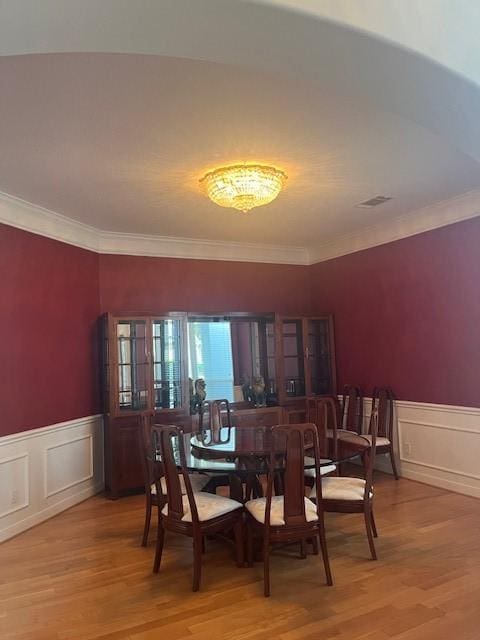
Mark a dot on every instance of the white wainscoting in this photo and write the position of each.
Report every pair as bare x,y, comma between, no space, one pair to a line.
47,470
436,444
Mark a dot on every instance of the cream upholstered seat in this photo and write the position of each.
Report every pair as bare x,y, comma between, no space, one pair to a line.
381,440
197,480
324,470
257,509
209,506
343,488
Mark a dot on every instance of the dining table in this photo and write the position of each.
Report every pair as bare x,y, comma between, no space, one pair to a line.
242,453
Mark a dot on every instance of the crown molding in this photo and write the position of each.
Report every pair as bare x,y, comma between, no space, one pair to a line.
30,217
439,214
198,249
35,219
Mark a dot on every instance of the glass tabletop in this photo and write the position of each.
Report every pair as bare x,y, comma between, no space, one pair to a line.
244,450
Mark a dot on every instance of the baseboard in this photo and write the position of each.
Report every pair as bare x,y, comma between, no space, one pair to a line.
45,471
435,444
441,482
44,514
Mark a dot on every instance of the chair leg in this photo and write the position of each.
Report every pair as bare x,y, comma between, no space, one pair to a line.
393,462
148,516
368,526
197,561
236,487
266,568
314,542
278,484
303,549
365,463
374,526
211,486
239,542
159,546
249,545
323,546
249,488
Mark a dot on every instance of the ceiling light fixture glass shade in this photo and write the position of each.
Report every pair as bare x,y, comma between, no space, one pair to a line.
243,186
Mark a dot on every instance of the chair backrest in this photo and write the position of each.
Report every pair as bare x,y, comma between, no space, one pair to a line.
168,442
216,410
325,412
352,408
289,442
370,452
151,468
219,416
204,415
383,400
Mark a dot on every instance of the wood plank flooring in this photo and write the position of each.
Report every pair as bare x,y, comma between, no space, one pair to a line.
83,575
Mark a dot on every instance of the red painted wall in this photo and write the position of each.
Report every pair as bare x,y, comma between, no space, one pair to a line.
48,310
407,314
142,284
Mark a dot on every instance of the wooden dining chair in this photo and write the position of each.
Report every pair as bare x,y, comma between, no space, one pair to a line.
219,419
325,412
212,415
354,495
154,475
352,409
383,401
290,517
191,514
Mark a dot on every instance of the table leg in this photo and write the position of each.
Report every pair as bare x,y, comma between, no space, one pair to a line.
236,487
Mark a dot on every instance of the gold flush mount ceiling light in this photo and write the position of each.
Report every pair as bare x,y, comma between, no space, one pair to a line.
243,186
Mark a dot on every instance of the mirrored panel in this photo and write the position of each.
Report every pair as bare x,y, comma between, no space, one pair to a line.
167,363
231,358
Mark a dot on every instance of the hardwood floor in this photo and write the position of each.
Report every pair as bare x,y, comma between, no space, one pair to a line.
83,574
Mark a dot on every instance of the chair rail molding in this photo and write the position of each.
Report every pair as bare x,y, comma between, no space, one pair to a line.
436,444
47,470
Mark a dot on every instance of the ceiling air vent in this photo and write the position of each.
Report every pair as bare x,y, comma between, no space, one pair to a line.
374,202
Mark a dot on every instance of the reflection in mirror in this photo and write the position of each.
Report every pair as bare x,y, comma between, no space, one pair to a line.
167,359
234,356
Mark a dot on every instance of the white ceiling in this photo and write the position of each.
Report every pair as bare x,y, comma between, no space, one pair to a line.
119,141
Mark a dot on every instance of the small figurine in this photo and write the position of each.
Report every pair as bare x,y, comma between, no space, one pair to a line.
199,396
247,389
258,389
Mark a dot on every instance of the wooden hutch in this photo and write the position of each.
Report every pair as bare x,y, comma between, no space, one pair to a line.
145,372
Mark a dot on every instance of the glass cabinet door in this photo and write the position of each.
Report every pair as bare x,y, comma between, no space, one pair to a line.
319,356
271,380
133,365
293,357
167,363
105,364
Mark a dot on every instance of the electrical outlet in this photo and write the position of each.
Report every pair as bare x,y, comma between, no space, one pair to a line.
407,448
14,497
